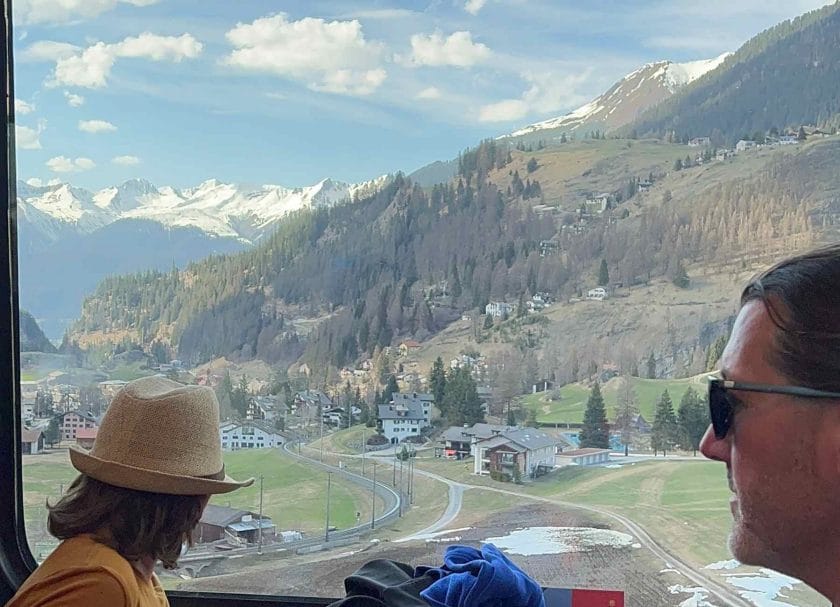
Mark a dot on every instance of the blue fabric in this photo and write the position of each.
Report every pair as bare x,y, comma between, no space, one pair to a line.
485,578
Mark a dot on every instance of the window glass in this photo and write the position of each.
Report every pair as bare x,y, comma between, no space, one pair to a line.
524,214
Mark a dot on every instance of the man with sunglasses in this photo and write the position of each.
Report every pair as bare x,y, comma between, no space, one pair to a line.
775,413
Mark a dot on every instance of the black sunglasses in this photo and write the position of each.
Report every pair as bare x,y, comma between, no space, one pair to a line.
722,408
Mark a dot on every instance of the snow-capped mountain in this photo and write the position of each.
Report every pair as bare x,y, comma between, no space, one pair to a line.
218,209
629,97
70,238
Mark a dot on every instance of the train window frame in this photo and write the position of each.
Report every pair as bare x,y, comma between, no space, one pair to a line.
16,559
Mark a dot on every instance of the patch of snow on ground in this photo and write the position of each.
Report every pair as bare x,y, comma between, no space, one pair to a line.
558,540
698,595
730,564
764,587
428,536
669,570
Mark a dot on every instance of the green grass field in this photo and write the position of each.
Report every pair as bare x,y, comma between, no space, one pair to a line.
294,494
348,440
572,403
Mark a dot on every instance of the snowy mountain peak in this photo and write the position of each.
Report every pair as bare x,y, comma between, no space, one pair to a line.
629,97
241,212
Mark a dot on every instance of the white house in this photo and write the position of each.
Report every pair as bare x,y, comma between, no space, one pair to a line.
700,142
249,435
583,457
499,309
597,294
598,203
528,449
406,415
745,144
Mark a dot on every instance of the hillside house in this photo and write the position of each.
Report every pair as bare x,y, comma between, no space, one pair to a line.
745,144
597,294
458,441
597,203
31,441
723,154
530,451
69,423
239,526
700,142
408,414
549,247
499,309
249,435
266,408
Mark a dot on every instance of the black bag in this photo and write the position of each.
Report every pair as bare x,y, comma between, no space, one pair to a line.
385,583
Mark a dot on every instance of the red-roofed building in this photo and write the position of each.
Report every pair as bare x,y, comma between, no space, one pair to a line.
85,437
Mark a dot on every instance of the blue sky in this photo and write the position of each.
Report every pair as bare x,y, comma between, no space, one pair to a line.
291,92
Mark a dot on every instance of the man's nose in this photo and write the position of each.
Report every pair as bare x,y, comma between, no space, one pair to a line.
713,447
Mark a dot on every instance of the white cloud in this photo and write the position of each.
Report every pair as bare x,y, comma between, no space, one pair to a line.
96,126
63,11
34,182
347,82
74,100
503,111
457,50
431,92
27,138
48,50
159,48
473,6
62,164
330,56
91,67
126,160
547,93
22,108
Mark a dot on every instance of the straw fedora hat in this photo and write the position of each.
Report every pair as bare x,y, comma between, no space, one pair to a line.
159,436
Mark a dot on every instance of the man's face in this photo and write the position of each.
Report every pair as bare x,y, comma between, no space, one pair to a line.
780,457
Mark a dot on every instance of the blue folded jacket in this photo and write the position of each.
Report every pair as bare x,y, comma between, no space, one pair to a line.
486,578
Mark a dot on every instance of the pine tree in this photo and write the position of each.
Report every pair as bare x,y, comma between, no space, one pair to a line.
488,321
603,274
437,382
595,431
680,278
693,419
391,387
664,431
801,136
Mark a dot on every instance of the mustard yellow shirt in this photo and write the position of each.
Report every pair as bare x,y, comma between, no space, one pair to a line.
82,572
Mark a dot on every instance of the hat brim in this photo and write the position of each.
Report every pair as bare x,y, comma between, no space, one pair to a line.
141,479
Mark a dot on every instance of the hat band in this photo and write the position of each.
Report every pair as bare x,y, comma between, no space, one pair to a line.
219,476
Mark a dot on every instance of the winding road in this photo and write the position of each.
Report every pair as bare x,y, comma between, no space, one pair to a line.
716,588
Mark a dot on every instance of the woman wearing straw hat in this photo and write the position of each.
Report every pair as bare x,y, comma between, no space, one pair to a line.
155,462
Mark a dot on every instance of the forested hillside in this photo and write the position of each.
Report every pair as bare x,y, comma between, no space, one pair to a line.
786,76
408,261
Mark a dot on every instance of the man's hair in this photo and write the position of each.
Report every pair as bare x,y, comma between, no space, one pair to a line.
134,523
802,297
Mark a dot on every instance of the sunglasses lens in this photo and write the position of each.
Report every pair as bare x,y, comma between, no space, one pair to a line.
720,410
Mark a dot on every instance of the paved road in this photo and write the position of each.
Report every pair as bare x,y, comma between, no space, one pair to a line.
456,491
453,508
